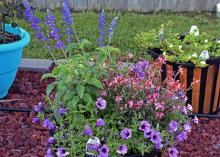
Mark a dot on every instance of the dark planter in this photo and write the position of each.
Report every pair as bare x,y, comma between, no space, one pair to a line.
152,154
205,95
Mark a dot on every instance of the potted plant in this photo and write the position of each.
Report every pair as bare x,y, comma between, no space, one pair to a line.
197,54
12,41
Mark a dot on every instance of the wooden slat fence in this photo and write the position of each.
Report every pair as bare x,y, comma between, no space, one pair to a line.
144,6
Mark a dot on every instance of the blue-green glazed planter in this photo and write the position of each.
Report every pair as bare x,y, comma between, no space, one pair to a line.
10,58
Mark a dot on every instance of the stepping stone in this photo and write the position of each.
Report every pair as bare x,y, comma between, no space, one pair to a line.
36,65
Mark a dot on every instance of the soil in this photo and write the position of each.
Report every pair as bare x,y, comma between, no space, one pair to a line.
20,138
6,37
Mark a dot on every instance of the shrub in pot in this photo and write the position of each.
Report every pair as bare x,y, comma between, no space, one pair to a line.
12,40
198,54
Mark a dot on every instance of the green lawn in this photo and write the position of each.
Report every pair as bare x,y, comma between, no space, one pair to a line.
128,26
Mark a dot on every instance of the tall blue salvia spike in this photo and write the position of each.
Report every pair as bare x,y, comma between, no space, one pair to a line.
102,23
112,27
67,17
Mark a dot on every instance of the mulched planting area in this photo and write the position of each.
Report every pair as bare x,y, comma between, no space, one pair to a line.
20,138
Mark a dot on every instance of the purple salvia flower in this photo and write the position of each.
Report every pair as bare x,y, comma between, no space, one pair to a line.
63,111
195,120
100,122
173,152
48,124
187,127
155,137
112,27
101,103
144,126
49,153
122,149
67,17
126,133
35,120
158,146
172,126
182,136
39,107
102,23
61,152
51,140
87,130
103,151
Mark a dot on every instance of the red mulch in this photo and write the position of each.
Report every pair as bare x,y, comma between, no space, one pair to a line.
20,138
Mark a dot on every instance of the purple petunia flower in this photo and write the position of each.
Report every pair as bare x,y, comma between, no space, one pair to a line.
189,107
63,111
172,126
183,110
51,140
49,153
67,17
187,127
147,134
158,146
122,149
39,107
103,151
182,136
195,120
140,68
87,130
102,23
101,103
35,120
61,152
112,27
173,152
48,124
100,122
144,126
126,133
155,137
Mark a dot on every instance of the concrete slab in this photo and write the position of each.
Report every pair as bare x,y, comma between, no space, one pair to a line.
36,65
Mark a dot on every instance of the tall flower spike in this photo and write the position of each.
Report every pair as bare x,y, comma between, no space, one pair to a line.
112,27
68,19
102,23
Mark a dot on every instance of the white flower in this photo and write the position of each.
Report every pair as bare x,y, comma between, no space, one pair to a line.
203,62
206,40
171,45
194,55
218,41
180,47
194,30
204,55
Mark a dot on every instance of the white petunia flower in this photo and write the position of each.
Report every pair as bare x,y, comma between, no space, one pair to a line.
206,40
204,55
194,55
203,62
171,45
194,30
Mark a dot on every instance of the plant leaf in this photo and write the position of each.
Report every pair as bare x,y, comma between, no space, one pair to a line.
87,98
80,90
50,87
95,82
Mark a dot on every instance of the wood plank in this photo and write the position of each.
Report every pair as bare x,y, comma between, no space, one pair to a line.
40,4
107,4
80,5
121,5
183,78
217,90
196,90
169,71
147,6
208,89
71,3
53,4
134,5
94,4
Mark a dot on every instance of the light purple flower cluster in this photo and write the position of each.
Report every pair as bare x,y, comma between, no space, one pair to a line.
67,17
48,124
54,32
100,122
173,126
101,103
140,68
49,153
173,152
61,152
63,111
35,120
182,136
51,140
102,23
87,131
39,107
34,21
112,27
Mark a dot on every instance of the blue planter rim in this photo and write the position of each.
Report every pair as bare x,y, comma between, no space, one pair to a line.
25,39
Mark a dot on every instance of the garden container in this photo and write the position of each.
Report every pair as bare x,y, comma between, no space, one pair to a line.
204,96
10,57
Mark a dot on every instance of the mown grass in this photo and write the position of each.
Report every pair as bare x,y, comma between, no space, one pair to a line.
129,25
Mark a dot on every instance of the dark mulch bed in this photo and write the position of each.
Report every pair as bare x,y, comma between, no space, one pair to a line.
20,138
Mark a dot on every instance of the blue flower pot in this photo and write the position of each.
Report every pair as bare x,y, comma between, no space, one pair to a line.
10,57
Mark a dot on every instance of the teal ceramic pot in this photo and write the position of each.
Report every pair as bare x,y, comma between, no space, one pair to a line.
10,58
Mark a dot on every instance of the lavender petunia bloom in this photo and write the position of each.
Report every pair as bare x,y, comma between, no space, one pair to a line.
126,133
102,23
144,126
155,137
101,103
195,120
100,122
189,107
87,130
49,153
35,120
61,152
63,111
122,149
67,17
48,124
172,126
51,140
187,127
173,152
39,107
182,136
183,110
158,146
147,134
103,151
112,27
140,68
